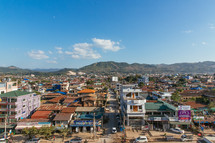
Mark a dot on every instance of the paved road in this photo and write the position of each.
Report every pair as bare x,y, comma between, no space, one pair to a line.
112,122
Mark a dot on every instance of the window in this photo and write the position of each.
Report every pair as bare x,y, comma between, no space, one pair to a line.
131,107
9,86
140,107
2,92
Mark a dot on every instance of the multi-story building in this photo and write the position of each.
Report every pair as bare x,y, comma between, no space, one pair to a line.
132,104
8,86
144,79
17,105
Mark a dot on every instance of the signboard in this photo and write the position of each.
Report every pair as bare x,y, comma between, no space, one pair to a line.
183,107
184,115
198,117
115,78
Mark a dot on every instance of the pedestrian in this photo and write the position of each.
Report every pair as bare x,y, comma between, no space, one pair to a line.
54,138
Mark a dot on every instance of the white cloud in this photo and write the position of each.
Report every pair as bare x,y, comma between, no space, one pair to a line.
50,52
38,55
107,45
212,26
52,62
187,31
204,43
83,51
59,50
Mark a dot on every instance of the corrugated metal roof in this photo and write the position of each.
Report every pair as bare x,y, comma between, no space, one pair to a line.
62,117
41,115
15,93
69,110
87,91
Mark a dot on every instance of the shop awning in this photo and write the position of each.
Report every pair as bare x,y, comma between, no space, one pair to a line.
180,123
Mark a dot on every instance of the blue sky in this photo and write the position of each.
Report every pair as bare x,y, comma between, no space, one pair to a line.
72,34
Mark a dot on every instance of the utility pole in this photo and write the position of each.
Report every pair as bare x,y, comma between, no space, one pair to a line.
94,125
5,127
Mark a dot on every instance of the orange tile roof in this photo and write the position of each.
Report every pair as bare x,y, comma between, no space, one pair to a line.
41,115
87,91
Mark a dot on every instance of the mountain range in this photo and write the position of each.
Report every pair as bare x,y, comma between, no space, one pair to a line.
123,67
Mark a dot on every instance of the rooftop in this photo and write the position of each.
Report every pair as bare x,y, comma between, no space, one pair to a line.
62,117
87,91
47,107
15,93
69,110
41,115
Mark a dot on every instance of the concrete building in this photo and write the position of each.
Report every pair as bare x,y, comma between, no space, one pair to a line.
8,86
132,105
144,79
17,105
162,95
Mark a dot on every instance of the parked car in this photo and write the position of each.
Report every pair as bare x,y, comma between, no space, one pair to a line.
114,130
169,138
33,140
76,140
185,138
177,130
141,139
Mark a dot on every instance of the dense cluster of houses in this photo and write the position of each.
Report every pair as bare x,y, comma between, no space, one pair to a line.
79,102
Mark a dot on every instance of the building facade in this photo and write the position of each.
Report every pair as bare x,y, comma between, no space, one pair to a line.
132,105
18,105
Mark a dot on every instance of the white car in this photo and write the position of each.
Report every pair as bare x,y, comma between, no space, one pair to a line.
114,130
141,139
177,130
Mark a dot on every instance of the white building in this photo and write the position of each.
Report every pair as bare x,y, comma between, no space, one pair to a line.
162,95
132,107
144,79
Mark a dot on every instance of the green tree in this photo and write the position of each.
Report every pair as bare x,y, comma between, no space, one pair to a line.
141,84
64,132
211,105
46,131
31,132
89,82
175,97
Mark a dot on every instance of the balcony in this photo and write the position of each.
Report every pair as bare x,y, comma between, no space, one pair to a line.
11,103
3,103
3,109
2,116
11,116
12,109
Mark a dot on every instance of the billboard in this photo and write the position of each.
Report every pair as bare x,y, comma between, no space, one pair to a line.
183,107
184,114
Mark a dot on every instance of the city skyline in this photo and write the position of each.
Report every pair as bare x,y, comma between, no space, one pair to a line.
72,34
